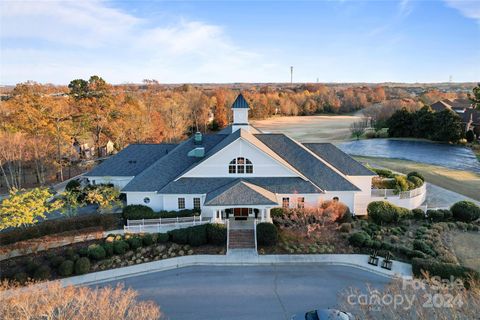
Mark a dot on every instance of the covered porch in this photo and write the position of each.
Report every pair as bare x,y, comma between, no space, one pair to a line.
241,213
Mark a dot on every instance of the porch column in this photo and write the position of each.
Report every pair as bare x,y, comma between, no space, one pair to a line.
263,215
268,217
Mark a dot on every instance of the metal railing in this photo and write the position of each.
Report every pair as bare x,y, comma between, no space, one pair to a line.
402,195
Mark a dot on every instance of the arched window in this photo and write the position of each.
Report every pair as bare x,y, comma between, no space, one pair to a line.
240,165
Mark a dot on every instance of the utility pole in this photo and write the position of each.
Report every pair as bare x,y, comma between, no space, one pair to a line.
291,75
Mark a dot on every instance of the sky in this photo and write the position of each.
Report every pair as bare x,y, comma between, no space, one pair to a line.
239,41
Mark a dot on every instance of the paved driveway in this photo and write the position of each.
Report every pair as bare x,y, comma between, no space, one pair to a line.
247,292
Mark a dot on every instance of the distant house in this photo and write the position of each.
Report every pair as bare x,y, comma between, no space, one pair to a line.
464,108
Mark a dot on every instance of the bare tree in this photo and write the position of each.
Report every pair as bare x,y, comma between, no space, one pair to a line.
358,128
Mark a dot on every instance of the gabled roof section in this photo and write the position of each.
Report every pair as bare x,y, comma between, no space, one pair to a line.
131,161
339,159
293,185
238,193
228,130
307,163
166,169
240,103
247,136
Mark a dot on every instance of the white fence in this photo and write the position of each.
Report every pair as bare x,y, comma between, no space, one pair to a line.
163,224
408,199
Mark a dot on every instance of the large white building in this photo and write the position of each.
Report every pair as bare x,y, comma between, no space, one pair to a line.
238,171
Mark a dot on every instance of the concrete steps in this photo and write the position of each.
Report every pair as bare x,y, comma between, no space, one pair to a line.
241,239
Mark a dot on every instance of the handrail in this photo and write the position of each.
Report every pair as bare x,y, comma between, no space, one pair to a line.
227,222
255,234
193,219
402,194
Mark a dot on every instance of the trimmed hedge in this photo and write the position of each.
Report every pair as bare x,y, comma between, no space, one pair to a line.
383,172
416,174
106,221
66,268
418,214
216,234
42,273
162,237
56,261
465,211
138,211
443,270
108,247
179,236
82,265
197,235
134,242
267,234
120,247
96,252
358,239
385,212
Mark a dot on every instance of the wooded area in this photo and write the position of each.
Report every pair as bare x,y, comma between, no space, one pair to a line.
44,128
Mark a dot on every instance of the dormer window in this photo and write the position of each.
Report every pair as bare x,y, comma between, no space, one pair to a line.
240,165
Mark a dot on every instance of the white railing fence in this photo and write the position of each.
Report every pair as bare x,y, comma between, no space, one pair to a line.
227,223
255,234
156,225
386,193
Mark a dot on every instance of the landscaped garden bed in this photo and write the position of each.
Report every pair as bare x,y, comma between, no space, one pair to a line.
115,251
411,236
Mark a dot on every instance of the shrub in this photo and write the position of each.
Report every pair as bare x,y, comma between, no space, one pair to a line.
162,237
134,242
385,212
105,221
358,239
435,215
120,247
42,273
179,236
346,217
217,233
276,212
447,214
267,234
147,239
197,235
403,184
138,211
73,185
418,214
83,252
108,247
96,252
66,268
443,270
423,247
416,174
417,182
383,172
56,261
82,265
20,277
465,211
345,227
31,266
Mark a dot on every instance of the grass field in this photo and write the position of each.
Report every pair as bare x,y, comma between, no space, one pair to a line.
464,244
464,182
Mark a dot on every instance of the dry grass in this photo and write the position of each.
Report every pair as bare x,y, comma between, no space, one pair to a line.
52,301
466,247
463,182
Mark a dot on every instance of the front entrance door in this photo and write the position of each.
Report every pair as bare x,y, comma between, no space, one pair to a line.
240,213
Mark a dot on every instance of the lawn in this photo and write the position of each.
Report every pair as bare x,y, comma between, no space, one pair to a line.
464,182
466,247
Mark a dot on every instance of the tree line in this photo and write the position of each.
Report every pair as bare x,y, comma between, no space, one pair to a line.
40,124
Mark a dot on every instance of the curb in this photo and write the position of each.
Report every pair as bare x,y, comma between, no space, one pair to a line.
358,261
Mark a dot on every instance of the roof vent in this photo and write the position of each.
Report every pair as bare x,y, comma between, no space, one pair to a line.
198,138
197,152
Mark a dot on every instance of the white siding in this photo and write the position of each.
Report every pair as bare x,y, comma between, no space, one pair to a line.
314,200
263,165
362,198
156,200
170,201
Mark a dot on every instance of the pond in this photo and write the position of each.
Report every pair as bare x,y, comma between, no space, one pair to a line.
449,156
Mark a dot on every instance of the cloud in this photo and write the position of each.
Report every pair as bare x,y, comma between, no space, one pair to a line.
55,41
468,8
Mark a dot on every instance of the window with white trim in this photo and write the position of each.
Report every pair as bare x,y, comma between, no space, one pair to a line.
285,202
300,202
240,165
181,203
196,203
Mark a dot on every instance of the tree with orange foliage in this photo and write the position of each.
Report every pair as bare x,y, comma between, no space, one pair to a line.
220,110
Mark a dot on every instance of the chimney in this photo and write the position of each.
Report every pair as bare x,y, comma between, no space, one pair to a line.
198,138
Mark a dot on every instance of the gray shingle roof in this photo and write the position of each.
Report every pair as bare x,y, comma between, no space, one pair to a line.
131,161
240,102
299,157
273,184
166,169
239,193
339,159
